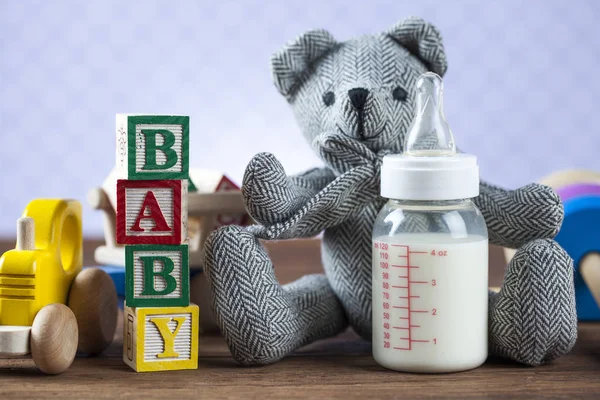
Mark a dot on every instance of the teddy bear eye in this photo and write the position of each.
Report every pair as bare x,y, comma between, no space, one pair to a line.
328,98
399,94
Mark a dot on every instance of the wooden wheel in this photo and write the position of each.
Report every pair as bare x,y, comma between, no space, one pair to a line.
93,299
54,338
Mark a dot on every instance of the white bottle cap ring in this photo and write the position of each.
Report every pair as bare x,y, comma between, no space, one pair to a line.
429,178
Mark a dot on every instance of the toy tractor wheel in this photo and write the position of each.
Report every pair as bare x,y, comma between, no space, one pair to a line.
54,338
93,299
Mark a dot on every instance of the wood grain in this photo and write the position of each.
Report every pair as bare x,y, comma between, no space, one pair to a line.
54,336
340,367
93,299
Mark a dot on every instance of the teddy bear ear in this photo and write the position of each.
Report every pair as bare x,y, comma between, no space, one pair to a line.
292,64
423,40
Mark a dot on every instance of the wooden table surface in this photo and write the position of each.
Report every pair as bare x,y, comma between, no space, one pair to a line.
340,367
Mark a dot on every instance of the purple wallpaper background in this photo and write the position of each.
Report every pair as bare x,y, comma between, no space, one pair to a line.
522,89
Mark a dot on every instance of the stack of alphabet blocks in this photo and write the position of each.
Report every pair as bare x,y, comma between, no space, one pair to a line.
160,324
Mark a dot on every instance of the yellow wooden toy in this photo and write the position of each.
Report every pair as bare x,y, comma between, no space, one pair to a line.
40,277
161,338
34,276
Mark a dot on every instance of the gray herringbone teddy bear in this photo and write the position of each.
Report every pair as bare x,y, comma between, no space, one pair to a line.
354,101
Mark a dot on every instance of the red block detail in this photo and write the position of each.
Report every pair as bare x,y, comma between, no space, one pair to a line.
225,185
150,204
156,234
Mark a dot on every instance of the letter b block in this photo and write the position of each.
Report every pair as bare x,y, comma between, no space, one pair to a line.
157,276
152,146
151,212
161,339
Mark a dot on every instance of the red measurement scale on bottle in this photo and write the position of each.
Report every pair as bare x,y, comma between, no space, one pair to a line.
423,292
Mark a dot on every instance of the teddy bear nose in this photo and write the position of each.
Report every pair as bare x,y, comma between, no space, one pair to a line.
358,97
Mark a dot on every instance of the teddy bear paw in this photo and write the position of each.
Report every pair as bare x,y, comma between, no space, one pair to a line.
533,319
269,194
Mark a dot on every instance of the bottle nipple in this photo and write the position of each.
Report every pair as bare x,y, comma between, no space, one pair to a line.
429,134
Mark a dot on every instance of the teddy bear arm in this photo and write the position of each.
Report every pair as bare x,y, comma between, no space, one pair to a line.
516,217
342,199
271,196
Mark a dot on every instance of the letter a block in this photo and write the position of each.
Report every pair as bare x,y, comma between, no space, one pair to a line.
157,276
161,339
151,212
152,147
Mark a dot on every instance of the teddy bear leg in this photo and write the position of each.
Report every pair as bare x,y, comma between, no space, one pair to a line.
532,319
261,320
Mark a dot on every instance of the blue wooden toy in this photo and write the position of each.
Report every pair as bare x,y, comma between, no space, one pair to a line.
580,237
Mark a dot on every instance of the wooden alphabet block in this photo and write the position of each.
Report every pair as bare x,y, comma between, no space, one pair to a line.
161,339
151,212
152,146
157,276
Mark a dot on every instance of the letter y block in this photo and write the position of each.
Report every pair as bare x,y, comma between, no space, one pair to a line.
161,339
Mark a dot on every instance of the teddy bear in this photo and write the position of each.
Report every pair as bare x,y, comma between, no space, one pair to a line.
354,101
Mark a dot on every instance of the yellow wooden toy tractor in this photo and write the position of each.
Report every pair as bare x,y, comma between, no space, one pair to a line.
49,307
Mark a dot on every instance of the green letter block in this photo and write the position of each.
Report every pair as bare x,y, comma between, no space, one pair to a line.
157,276
150,275
152,147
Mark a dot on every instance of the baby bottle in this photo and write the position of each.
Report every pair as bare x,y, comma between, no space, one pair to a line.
430,251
